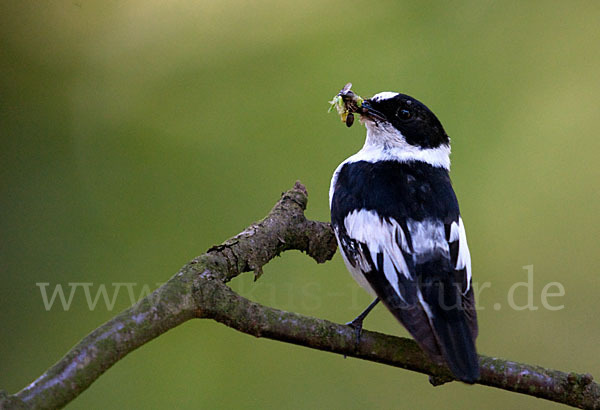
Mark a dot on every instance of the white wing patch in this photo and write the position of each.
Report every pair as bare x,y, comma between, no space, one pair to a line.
386,236
428,238
457,233
380,237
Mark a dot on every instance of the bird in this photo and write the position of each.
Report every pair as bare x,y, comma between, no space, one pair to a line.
397,222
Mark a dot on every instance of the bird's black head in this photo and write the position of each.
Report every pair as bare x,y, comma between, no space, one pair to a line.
417,124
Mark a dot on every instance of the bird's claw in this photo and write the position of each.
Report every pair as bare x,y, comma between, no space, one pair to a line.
357,326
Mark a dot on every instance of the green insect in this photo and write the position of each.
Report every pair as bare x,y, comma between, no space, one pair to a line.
338,104
346,102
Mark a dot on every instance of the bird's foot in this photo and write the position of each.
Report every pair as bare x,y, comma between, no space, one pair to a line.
357,325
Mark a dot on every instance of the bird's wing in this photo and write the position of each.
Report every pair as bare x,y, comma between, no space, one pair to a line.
421,270
378,245
379,254
460,258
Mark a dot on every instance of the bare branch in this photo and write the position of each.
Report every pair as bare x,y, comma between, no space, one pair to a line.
199,290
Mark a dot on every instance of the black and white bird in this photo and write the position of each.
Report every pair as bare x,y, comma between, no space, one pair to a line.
398,225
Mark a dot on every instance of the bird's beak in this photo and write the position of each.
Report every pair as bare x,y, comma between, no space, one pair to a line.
371,113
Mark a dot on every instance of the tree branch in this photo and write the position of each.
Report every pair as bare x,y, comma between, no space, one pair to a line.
199,290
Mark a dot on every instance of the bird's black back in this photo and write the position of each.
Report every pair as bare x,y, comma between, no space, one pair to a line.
414,190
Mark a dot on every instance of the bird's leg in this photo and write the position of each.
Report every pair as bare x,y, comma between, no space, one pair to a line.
357,323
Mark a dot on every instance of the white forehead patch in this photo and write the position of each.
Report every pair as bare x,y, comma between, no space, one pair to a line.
385,95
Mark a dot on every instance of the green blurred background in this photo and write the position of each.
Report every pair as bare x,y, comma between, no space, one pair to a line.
136,134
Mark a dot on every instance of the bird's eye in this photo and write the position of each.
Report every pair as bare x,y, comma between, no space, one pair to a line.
404,114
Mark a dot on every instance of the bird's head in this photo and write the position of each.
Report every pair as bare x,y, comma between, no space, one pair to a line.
397,119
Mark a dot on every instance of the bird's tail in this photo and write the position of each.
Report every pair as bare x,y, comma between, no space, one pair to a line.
442,301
